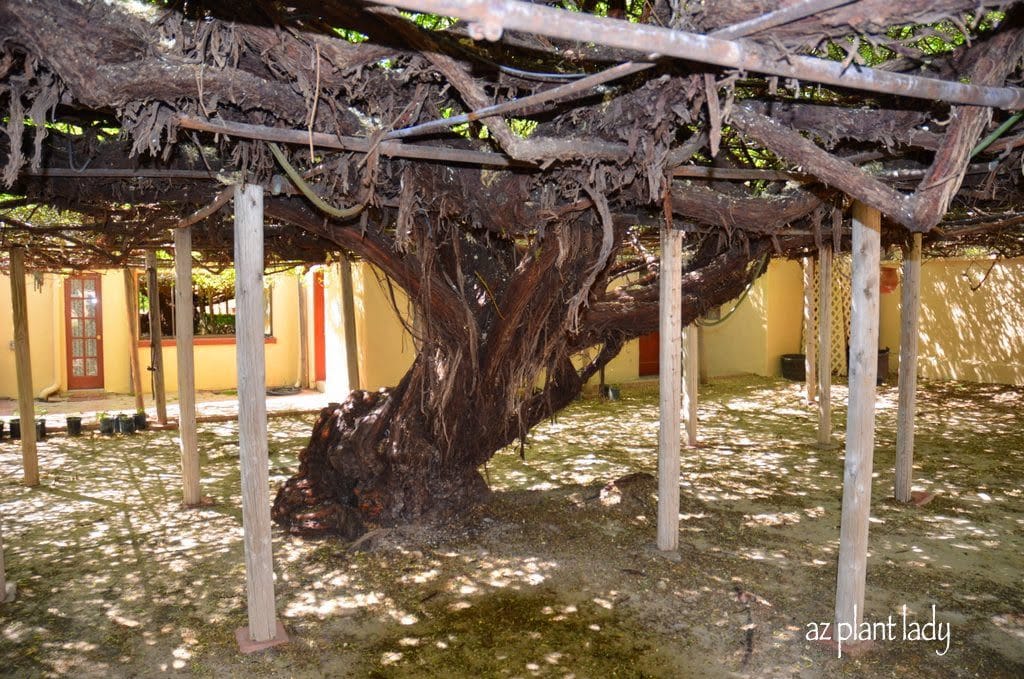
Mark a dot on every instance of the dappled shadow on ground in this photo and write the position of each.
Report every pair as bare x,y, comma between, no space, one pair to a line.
557,574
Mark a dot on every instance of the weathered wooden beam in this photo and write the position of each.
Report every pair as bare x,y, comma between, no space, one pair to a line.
183,319
23,369
571,90
860,422
131,305
357,144
993,62
690,381
825,346
489,18
219,201
669,375
834,171
810,341
348,315
263,628
586,84
739,173
778,17
156,349
910,299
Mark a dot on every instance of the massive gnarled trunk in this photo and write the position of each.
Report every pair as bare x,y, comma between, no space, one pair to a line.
501,346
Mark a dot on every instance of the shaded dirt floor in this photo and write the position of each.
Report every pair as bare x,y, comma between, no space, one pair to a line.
557,575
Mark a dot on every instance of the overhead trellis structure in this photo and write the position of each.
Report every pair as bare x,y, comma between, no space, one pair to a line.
512,167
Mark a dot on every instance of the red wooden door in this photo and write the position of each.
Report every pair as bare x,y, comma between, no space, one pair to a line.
84,332
319,348
649,354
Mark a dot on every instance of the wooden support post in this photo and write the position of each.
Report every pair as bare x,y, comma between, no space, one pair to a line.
263,629
7,589
131,305
348,312
702,356
303,380
825,346
910,298
690,381
183,312
23,369
810,341
156,363
669,375
860,422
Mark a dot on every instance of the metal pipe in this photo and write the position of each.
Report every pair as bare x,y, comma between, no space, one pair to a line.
585,84
492,17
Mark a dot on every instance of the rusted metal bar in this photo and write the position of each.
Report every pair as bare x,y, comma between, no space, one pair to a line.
489,18
581,86
584,85
357,144
740,173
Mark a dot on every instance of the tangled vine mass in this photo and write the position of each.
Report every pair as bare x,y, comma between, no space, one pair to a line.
510,169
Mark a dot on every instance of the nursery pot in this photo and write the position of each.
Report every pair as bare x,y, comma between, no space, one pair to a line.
74,425
107,425
126,424
40,429
15,428
793,367
141,423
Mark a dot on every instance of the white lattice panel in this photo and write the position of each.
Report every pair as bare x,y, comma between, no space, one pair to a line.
840,312
841,286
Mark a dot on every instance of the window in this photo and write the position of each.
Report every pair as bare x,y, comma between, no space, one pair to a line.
213,305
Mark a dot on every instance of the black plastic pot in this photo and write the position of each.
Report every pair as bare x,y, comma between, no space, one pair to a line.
107,425
40,429
74,425
1,429
15,428
883,365
793,367
126,424
141,421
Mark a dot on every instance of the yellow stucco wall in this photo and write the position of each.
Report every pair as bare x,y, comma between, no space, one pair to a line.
766,325
386,349
624,367
972,335
966,335
784,332
45,325
738,344
889,327
215,364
